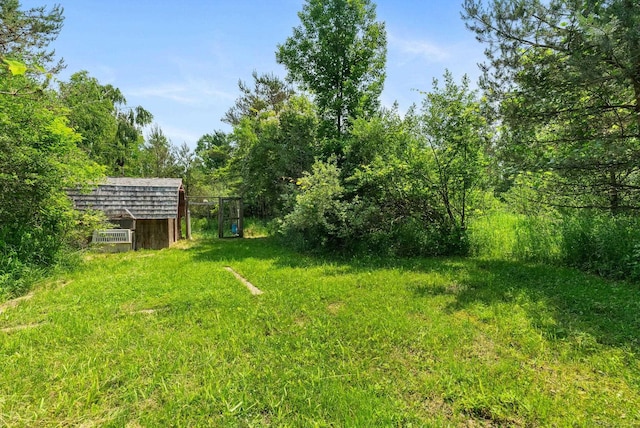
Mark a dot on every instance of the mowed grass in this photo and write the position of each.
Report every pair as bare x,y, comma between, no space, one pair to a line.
171,338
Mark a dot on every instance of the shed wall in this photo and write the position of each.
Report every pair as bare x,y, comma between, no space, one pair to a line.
153,234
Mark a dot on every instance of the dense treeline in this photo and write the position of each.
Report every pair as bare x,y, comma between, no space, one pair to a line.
56,135
539,163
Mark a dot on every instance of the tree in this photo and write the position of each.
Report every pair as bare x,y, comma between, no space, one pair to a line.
111,131
159,155
272,151
24,37
319,217
91,113
214,150
268,94
184,162
39,157
129,140
456,133
565,76
26,34
338,53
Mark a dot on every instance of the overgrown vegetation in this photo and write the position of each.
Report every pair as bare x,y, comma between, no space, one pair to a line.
535,171
170,337
589,240
539,164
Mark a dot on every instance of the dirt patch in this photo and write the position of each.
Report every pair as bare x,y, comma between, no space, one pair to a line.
149,311
300,320
15,302
252,288
335,307
20,327
62,284
59,284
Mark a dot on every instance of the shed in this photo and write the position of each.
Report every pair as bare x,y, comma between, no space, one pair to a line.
152,208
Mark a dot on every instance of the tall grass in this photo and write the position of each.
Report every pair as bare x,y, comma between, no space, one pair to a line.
604,244
596,242
508,236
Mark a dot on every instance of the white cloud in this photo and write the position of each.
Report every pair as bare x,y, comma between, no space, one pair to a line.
179,135
422,48
191,92
177,92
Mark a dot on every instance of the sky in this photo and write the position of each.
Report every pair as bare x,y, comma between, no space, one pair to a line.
181,60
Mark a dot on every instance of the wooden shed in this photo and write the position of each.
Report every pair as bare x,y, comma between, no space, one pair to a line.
152,208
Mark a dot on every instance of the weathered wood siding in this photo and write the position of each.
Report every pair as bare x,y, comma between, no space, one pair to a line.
151,207
153,234
142,198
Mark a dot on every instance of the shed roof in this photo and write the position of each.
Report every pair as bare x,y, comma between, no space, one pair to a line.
138,198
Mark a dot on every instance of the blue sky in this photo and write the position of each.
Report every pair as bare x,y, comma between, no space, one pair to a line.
181,60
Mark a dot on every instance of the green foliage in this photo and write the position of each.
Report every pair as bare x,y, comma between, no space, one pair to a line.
39,154
564,79
16,68
271,152
26,34
213,150
338,53
589,240
405,185
111,131
319,216
397,210
601,243
39,159
91,113
268,94
158,156
456,133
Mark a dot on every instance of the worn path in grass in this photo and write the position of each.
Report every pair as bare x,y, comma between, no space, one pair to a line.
170,338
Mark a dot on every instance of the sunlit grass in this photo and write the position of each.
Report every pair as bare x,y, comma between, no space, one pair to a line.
170,338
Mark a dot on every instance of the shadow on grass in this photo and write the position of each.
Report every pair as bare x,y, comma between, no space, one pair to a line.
577,302
230,250
275,250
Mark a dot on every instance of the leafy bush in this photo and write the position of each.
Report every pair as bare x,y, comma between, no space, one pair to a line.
319,217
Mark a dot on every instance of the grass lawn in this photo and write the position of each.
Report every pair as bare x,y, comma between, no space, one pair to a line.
171,338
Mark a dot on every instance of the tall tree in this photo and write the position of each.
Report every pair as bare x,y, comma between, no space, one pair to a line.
111,131
39,157
338,53
269,93
566,78
159,155
455,133
91,113
129,139
213,150
272,151
25,34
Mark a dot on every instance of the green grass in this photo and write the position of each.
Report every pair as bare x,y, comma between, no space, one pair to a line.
170,338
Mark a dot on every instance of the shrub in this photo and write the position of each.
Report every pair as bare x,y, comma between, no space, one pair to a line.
319,216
